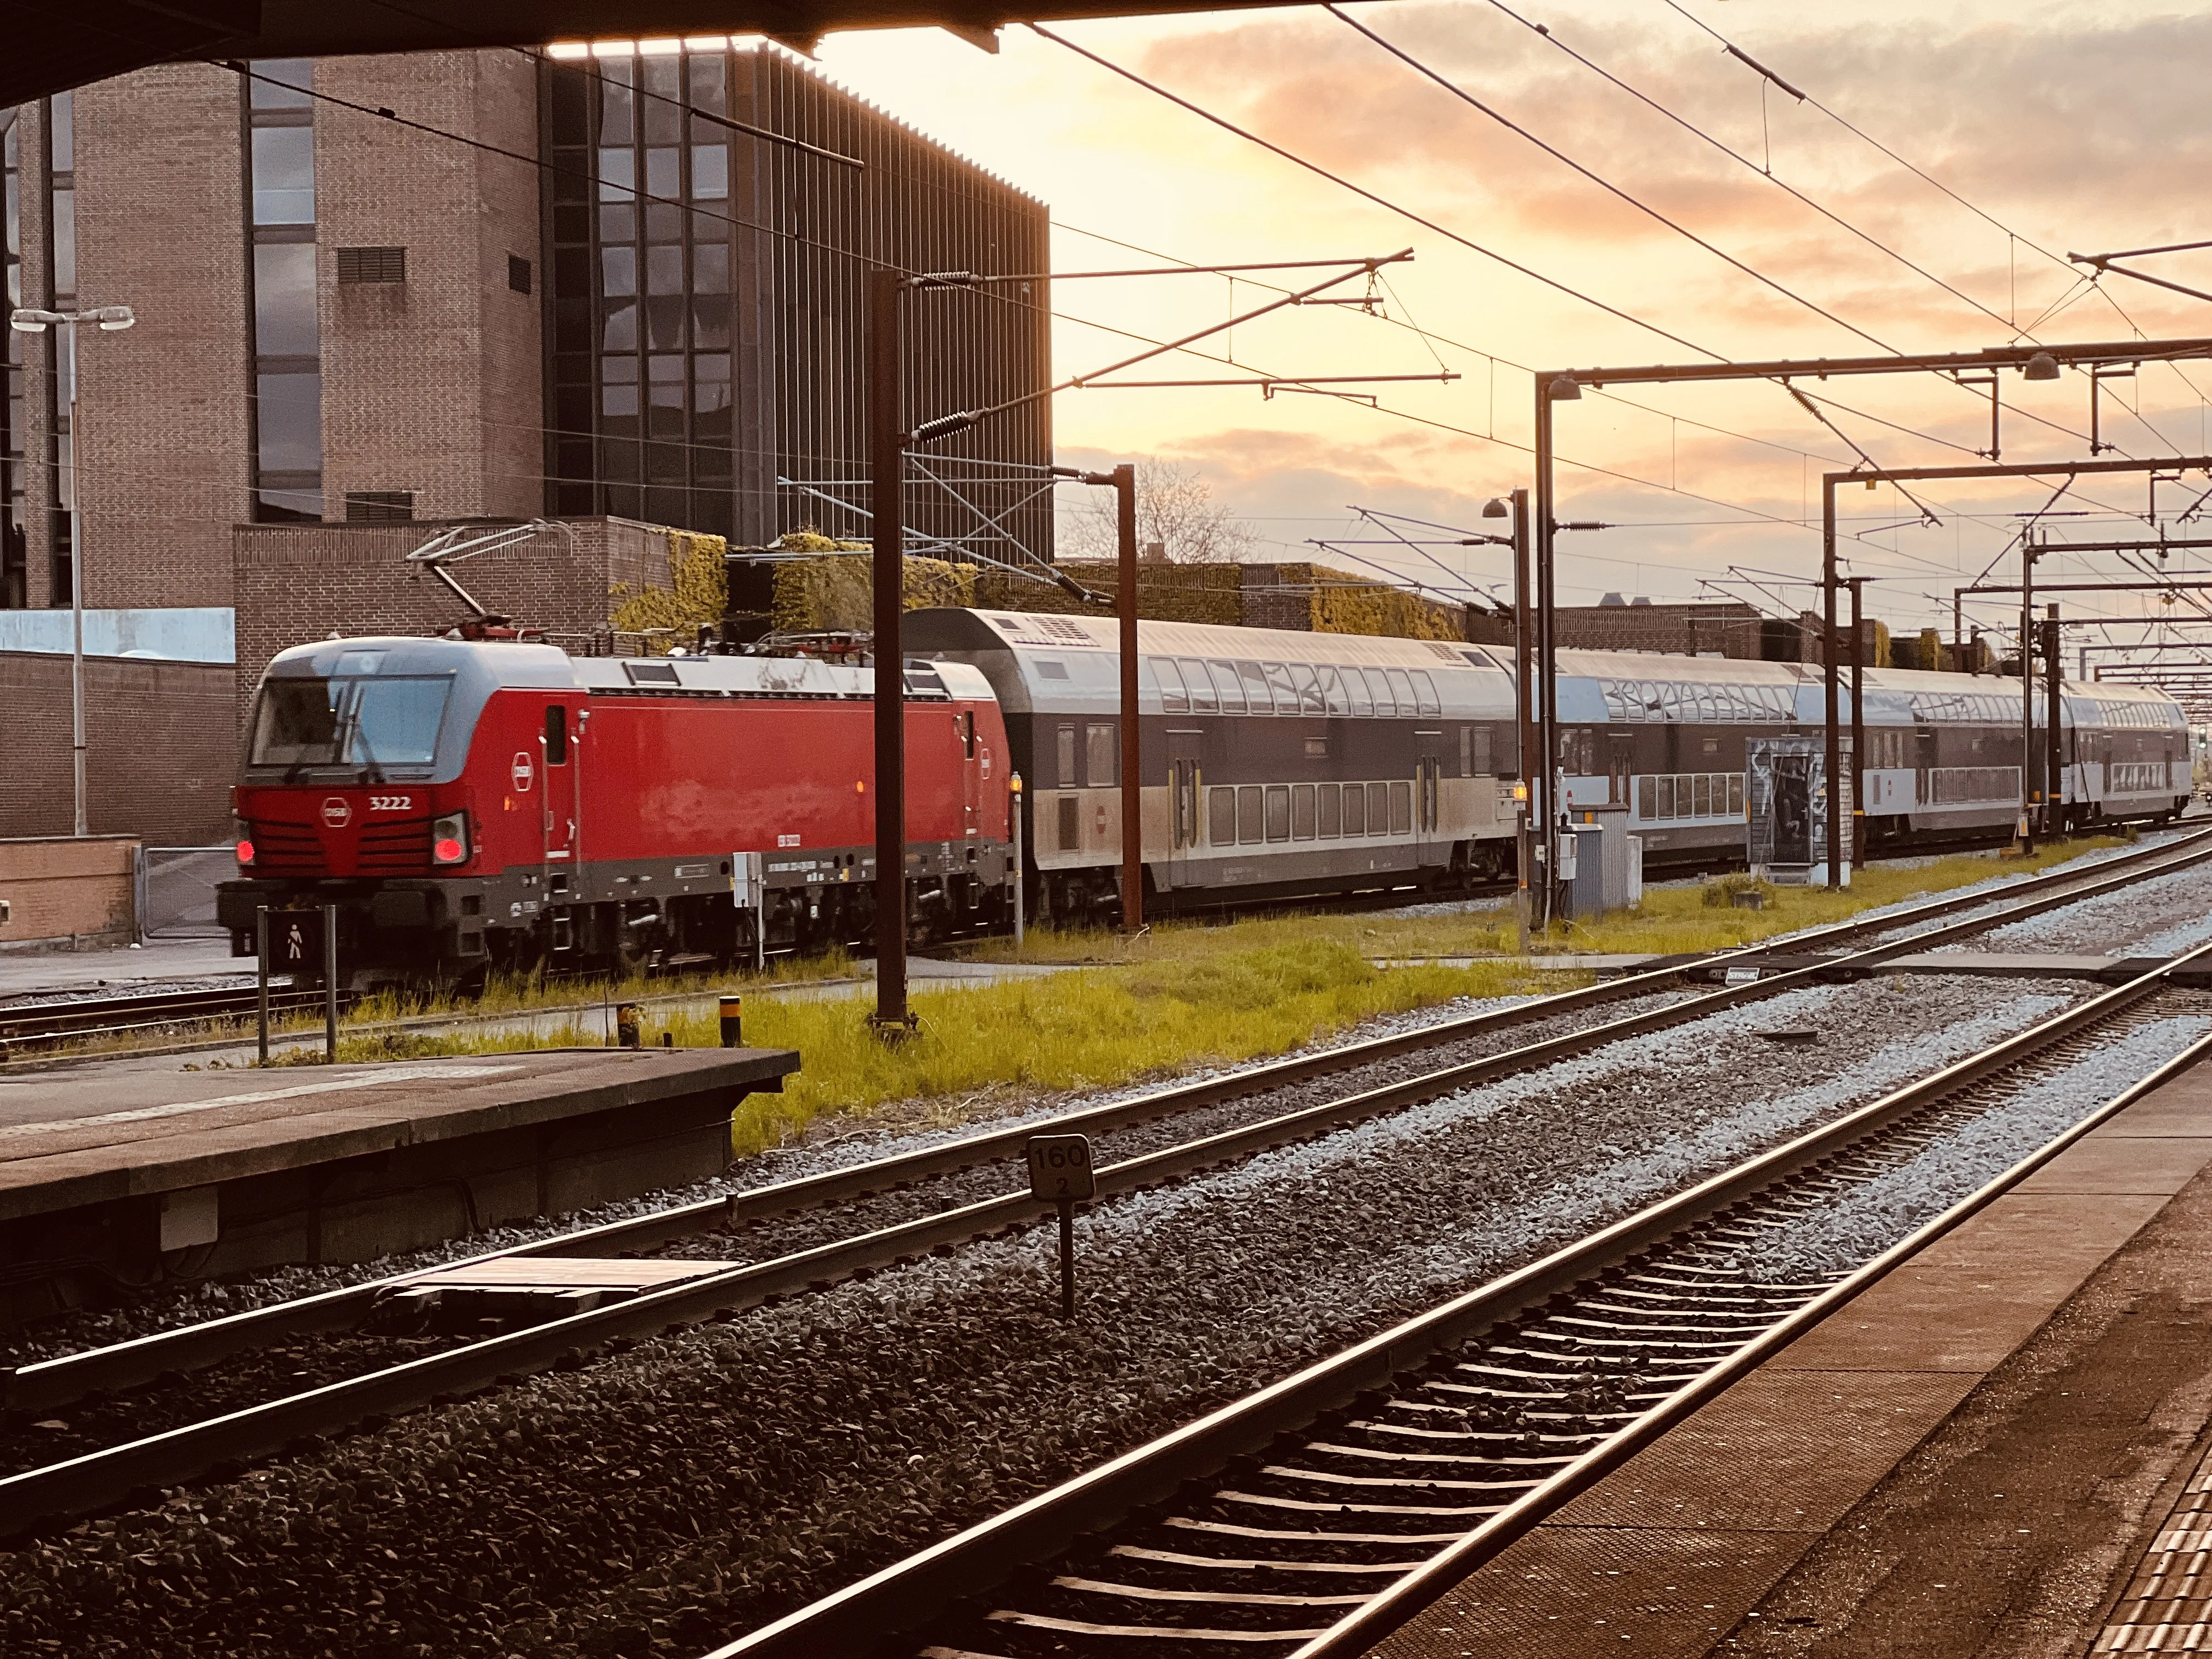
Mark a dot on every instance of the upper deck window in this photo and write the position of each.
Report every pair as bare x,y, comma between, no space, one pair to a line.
349,720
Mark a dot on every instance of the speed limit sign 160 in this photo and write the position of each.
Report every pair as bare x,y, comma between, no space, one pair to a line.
1059,1169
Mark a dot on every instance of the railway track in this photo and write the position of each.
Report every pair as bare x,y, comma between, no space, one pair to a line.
400,1343
28,1031
1319,1514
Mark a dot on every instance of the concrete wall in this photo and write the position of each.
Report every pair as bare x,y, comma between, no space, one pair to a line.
160,745
65,893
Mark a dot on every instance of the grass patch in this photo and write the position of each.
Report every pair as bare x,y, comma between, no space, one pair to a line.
1182,995
1680,918
992,1045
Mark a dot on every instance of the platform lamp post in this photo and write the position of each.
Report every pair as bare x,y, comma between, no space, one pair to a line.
1514,506
30,320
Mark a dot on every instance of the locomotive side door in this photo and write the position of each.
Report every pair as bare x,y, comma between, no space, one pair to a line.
1185,783
559,803
972,761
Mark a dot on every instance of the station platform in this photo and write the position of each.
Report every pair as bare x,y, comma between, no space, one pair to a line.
2002,1449
122,1176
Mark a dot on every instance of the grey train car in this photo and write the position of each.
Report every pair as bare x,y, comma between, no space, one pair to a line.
1291,764
1666,736
1278,764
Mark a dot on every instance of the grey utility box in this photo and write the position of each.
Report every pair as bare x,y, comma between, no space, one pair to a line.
1608,862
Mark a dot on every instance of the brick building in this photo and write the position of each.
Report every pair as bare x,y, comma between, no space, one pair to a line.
379,295
482,283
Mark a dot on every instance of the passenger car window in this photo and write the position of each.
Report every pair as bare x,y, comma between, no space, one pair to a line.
1174,699
1098,755
1248,812
1328,802
1279,811
1379,689
1067,757
1309,697
1356,693
1301,812
1256,694
1221,817
1278,682
1425,694
1200,685
1401,688
1332,691
1355,809
1231,688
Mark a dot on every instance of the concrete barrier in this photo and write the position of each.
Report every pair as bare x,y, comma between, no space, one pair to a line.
67,893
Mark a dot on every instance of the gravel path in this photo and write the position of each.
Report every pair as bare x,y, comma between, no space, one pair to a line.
660,1501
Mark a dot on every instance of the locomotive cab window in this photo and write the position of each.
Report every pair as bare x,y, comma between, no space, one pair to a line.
348,720
556,735
967,734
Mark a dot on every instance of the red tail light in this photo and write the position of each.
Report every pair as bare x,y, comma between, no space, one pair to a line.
448,851
244,851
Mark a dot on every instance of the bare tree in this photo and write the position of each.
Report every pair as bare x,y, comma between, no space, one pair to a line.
1176,514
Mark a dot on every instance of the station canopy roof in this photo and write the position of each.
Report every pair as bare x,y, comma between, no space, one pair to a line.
51,46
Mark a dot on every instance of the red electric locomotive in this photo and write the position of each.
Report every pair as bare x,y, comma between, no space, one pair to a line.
477,806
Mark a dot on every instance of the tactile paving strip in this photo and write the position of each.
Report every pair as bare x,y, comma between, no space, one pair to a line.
2167,1606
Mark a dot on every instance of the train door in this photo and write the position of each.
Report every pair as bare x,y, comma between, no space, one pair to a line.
1428,795
560,810
1185,782
971,779
1620,758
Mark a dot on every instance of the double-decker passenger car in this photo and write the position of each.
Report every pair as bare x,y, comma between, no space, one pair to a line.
1276,763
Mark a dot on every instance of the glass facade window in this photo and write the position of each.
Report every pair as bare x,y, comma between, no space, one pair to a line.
284,322
283,175
706,302
14,532
645,411
288,382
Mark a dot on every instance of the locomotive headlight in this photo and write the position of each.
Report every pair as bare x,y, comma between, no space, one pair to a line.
449,838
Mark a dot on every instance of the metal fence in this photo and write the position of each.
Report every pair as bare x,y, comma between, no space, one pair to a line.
175,890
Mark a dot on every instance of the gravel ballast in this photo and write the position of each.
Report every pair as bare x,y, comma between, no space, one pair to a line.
667,1499
180,1304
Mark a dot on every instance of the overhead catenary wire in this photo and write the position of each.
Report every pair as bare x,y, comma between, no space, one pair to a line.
1599,179
1688,126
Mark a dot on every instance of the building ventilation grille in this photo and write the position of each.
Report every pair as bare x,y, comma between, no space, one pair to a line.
518,273
379,505
371,264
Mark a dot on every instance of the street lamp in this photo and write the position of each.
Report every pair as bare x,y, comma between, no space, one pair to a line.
27,319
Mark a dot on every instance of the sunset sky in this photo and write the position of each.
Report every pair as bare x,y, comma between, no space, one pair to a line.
2064,128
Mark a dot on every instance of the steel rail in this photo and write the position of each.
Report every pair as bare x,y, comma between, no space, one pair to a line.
102,1479
862,1619
51,1383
